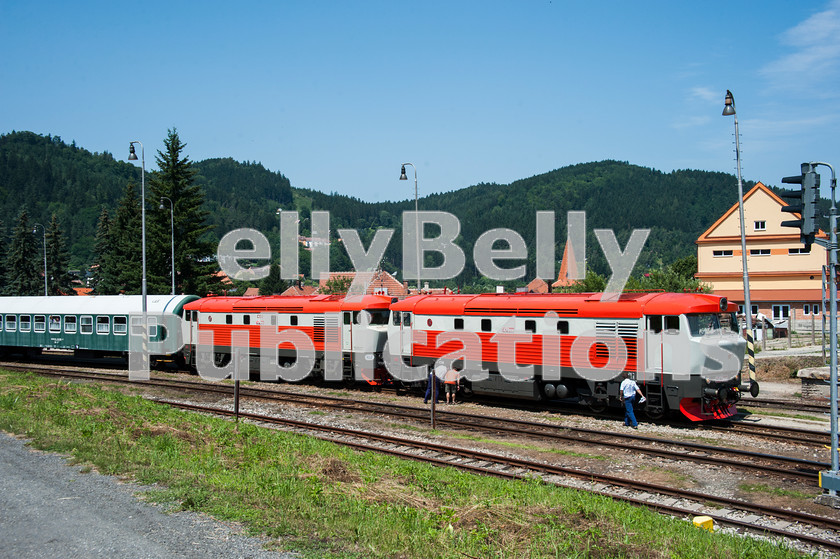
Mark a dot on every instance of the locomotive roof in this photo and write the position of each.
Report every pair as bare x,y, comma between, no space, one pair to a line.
94,304
629,305
276,303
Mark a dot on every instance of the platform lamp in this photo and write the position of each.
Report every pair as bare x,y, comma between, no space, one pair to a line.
403,177
729,110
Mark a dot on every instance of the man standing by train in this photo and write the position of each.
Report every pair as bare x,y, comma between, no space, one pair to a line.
627,393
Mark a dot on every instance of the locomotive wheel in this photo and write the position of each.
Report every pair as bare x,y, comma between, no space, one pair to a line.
597,405
655,413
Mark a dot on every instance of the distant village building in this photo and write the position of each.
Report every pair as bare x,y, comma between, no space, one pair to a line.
785,278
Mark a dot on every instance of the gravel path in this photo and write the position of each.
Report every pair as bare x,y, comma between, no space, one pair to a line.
50,509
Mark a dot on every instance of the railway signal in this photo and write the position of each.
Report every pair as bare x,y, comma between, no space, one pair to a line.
804,202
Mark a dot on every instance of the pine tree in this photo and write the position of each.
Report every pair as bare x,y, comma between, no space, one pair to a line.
58,268
102,277
272,284
3,242
195,265
22,260
125,258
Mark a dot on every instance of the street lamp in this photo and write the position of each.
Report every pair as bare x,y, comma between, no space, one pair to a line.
132,156
403,177
44,229
729,110
171,235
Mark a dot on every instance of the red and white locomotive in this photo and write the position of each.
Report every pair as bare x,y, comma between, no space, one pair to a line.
682,348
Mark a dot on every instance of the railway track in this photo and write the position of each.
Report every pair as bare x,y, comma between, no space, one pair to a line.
814,530
756,462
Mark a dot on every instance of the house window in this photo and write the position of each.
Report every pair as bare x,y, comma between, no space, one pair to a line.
781,312
721,253
759,252
754,309
760,225
811,309
799,250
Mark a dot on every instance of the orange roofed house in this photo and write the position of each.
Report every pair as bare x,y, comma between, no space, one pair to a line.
785,278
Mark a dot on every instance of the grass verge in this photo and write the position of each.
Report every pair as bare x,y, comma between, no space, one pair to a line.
328,501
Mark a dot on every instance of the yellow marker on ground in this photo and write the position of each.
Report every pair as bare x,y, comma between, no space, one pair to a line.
705,522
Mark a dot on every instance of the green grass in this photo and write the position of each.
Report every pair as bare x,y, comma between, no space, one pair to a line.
762,488
752,411
325,500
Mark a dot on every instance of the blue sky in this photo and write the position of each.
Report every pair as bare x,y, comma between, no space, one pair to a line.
336,95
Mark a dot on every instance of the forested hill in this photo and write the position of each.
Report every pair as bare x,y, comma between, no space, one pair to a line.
47,175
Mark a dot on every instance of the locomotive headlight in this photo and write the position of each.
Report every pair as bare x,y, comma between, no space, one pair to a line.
723,304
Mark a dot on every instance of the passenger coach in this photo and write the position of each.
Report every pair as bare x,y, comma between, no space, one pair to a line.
87,325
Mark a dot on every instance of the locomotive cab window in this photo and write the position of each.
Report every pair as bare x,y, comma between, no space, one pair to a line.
396,318
25,323
703,323
486,325
86,324
672,324
406,319
531,326
70,324
655,324
347,318
40,323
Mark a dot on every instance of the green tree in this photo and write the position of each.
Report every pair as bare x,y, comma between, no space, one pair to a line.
272,284
195,265
22,260
124,261
337,285
60,281
102,280
2,255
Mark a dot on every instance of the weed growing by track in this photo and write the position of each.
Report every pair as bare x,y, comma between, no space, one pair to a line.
327,500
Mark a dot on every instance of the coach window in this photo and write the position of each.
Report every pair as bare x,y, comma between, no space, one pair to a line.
563,326
459,324
55,323
406,319
11,322
531,326
25,323
293,320
86,324
120,325
40,323
103,324
69,324
396,318
486,325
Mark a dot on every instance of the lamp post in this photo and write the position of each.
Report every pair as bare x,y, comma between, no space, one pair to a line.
403,177
44,229
171,236
132,156
729,110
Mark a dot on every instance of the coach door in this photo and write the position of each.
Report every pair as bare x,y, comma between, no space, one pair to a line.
406,333
346,331
658,350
